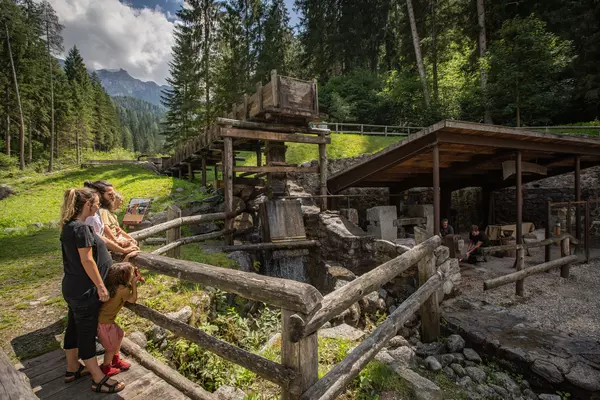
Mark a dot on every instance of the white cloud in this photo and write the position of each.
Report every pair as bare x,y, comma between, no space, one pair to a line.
112,35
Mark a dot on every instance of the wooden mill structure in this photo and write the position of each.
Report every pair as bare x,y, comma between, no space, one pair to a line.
278,112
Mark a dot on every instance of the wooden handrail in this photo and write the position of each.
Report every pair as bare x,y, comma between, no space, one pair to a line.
284,293
530,245
177,222
339,300
188,240
261,366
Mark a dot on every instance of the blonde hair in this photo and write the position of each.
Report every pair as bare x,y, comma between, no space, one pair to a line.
117,202
73,203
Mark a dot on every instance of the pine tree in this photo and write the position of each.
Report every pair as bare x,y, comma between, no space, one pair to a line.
79,81
277,40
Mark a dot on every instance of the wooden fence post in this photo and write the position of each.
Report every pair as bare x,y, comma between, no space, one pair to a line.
565,250
174,234
520,262
547,255
430,310
302,356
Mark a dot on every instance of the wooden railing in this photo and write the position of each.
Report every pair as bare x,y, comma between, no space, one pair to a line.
305,310
370,129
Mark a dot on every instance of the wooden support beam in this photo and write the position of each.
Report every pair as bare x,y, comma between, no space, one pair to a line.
302,357
548,249
283,293
519,194
276,169
436,190
165,226
336,380
520,263
519,275
190,172
299,244
173,234
430,309
323,173
228,171
204,170
341,299
565,250
578,197
187,240
261,366
275,136
162,370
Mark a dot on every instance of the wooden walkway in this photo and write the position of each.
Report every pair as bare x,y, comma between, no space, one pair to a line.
46,374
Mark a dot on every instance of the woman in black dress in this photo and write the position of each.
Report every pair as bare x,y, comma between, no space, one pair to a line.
86,261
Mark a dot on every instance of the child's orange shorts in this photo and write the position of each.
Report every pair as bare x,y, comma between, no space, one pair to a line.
110,336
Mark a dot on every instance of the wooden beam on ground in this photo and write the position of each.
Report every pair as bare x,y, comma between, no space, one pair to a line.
276,169
284,293
14,385
261,366
191,220
187,240
430,309
275,136
520,275
299,244
336,380
341,299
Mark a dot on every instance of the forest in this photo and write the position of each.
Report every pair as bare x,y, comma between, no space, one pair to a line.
395,62
50,115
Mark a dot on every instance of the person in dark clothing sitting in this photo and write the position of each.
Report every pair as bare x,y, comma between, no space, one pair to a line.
477,240
446,228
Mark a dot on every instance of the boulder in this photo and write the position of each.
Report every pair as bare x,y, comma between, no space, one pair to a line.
584,377
404,356
5,191
352,317
464,381
238,205
242,259
530,394
504,380
242,191
157,334
449,372
422,388
486,391
370,304
397,341
430,349
547,370
254,204
343,331
229,393
472,355
458,369
455,344
384,357
138,338
243,223
549,397
445,359
503,393
337,272
182,315
476,374
432,364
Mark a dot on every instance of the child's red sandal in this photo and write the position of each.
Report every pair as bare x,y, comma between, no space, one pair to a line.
119,363
109,370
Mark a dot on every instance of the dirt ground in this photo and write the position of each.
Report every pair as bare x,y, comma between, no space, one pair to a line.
570,306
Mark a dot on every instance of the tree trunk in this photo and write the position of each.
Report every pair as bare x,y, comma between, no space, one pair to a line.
30,140
8,135
206,63
22,131
487,117
77,148
417,45
434,60
51,162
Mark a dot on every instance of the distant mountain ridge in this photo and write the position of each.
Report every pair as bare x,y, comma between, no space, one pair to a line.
118,82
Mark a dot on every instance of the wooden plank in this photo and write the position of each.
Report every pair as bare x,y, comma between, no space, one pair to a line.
430,311
14,385
275,136
283,220
276,169
82,390
282,293
301,356
32,362
187,387
173,234
261,366
161,390
135,387
339,300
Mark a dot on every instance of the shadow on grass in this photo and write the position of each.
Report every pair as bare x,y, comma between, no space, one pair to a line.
38,342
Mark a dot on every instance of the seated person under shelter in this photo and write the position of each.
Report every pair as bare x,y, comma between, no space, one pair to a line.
446,228
477,240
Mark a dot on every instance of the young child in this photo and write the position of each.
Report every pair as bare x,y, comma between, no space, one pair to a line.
121,283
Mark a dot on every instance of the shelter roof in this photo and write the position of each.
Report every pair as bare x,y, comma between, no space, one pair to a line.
471,155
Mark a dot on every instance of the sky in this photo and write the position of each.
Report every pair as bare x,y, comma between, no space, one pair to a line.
136,35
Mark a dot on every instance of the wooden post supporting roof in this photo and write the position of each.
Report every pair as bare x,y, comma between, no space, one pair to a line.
519,194
228,185
204,170
190,172
577,197
430,310
436,189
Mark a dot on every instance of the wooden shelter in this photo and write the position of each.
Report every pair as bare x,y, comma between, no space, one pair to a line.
451,155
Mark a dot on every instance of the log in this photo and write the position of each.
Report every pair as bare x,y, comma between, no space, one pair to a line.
298,244
336,302
565,250
276,169
530,245
519,275
188,240
191,220
14,385
284,293
155,241
336,380
174,378
261,366
287,128
274,136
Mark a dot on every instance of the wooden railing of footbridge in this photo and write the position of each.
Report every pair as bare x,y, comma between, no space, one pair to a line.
304,311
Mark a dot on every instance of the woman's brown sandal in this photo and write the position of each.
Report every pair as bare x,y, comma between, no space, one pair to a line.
73,376
111,388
